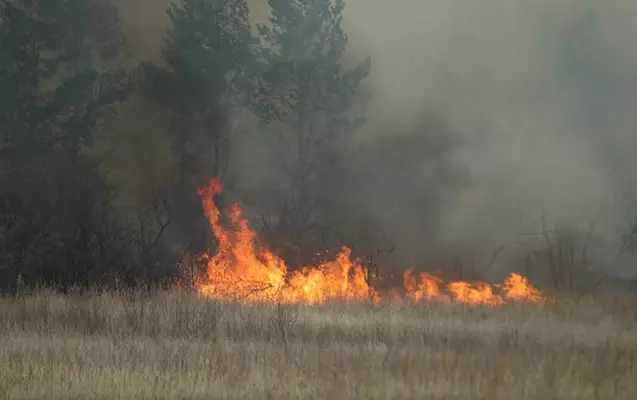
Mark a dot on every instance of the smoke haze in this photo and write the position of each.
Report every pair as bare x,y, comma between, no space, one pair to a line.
484,116
542,94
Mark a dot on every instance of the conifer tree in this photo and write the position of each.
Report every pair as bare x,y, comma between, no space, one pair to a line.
55,92
304,48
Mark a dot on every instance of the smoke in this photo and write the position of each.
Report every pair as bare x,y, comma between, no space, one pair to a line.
485,118
542,95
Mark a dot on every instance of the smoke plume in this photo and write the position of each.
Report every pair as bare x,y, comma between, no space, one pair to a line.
542,97
487,119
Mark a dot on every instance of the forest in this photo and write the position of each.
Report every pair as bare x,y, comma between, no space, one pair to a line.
318,199
64,220
105,143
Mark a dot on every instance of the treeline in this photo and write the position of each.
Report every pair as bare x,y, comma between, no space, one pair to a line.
62,223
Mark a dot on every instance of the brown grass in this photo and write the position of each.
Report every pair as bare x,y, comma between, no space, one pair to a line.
129,346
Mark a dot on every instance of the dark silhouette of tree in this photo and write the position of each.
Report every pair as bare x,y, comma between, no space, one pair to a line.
207,51
55,93
304,44
209,56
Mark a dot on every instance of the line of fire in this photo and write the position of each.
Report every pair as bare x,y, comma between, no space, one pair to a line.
242,271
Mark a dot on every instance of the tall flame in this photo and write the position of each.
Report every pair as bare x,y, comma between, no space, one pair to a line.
242,271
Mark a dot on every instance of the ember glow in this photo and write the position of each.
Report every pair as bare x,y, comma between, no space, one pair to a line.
242,271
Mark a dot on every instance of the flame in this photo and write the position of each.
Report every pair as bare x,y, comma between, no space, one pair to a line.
242,271
517,288
477,293
427,288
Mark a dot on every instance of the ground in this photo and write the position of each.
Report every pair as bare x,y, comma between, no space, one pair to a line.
132,346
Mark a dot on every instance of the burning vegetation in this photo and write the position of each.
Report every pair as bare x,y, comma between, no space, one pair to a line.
241,271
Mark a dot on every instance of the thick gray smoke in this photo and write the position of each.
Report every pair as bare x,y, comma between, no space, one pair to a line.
542,93
488,117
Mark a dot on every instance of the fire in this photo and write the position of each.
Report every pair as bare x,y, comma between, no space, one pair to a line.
516,288
477,293
427,288
242,271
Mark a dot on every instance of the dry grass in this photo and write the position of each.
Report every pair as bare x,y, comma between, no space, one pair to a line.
127,346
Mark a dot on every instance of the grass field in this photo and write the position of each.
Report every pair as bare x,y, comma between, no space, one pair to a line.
129,346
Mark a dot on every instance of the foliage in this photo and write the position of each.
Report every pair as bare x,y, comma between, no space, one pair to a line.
304,49
59,88
208,55
54,95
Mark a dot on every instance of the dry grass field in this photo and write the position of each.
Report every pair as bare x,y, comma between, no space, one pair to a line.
129,346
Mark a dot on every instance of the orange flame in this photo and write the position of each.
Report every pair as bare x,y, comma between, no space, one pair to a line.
241,271
427,288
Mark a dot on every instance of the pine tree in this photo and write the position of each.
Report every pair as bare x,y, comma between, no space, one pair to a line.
304,45
54,95
208,53
209,58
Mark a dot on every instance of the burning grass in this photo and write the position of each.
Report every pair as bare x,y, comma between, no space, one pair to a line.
254,329
134,346
241,271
